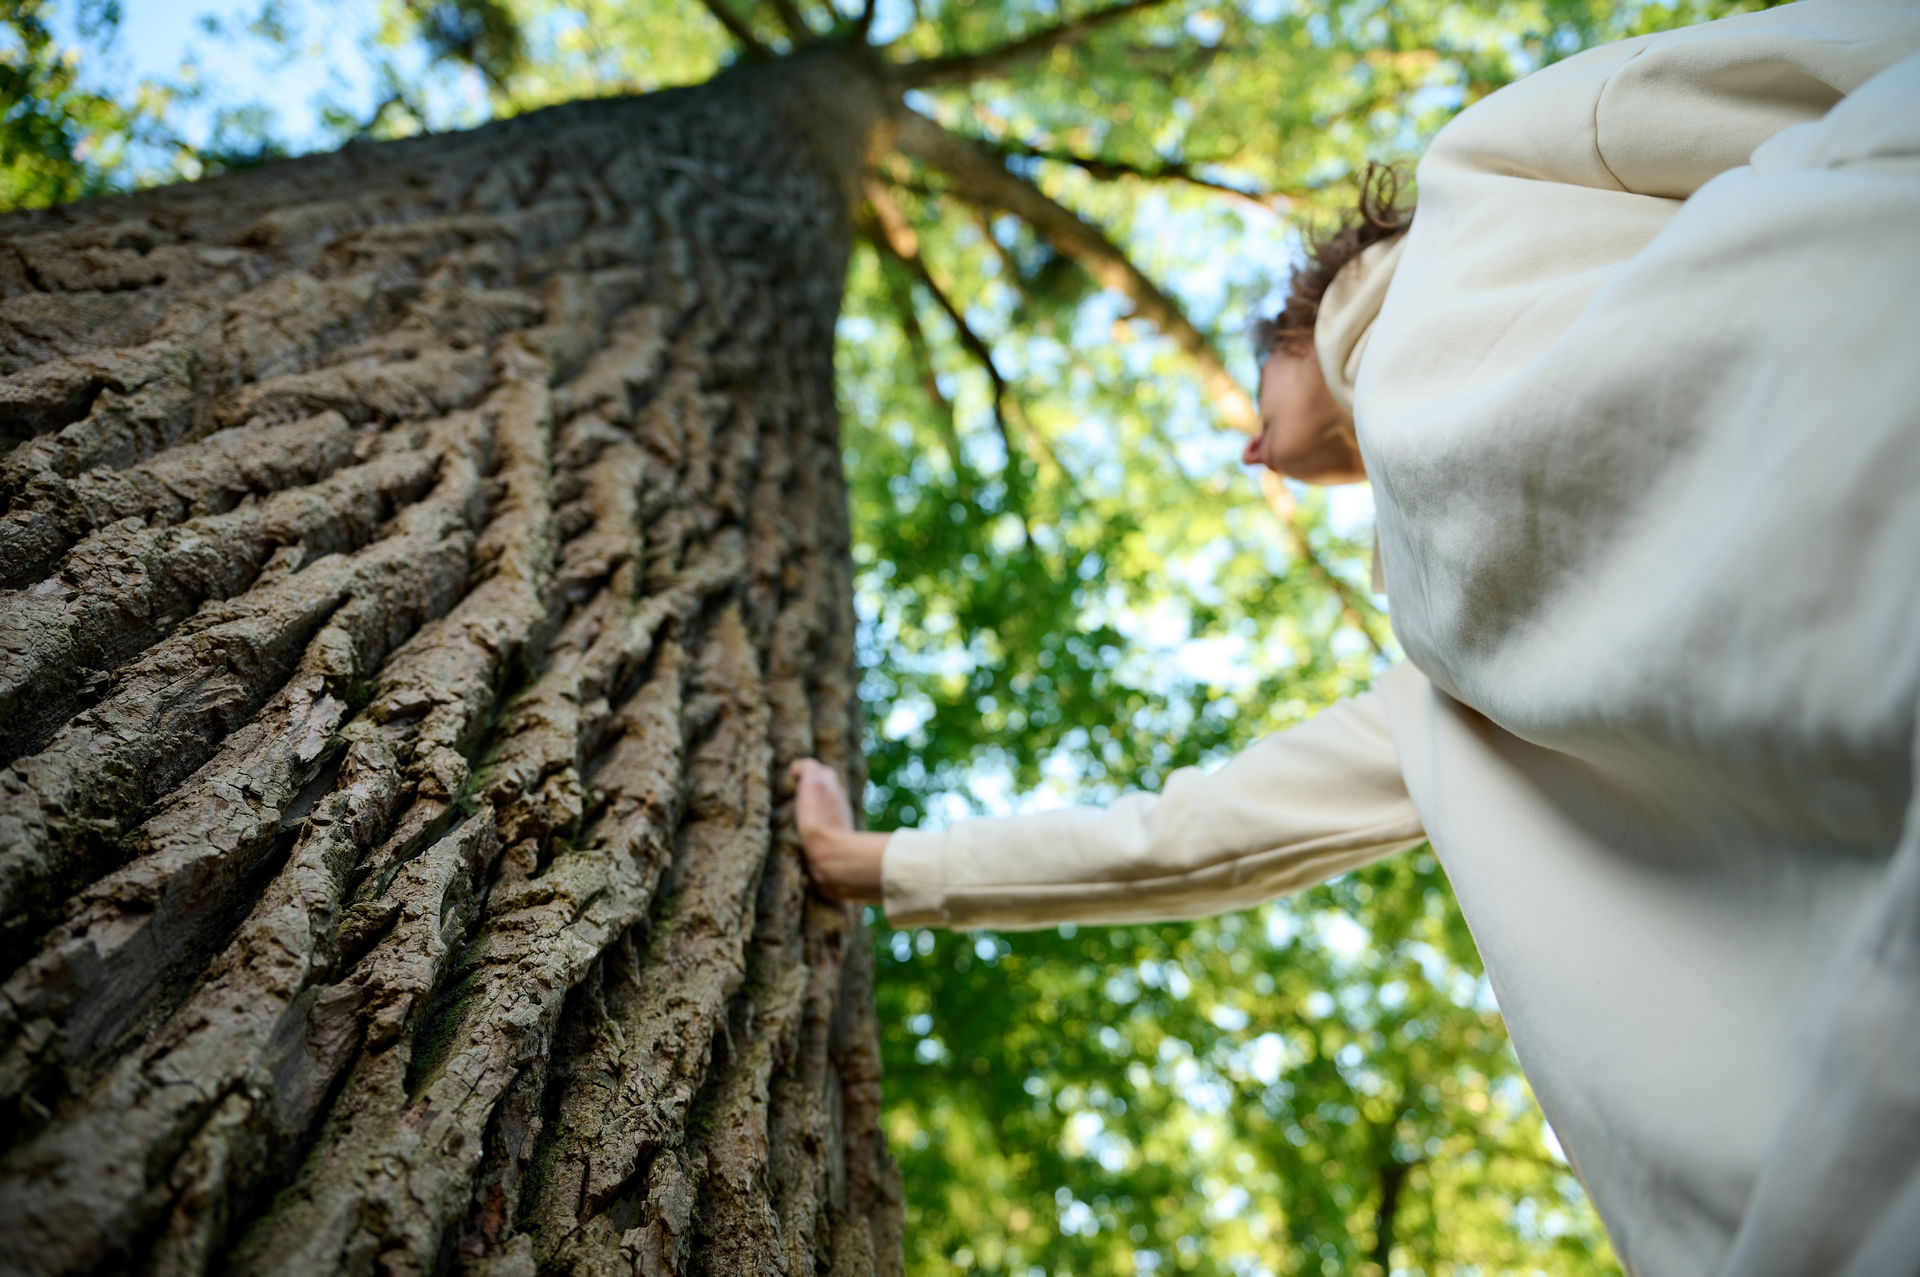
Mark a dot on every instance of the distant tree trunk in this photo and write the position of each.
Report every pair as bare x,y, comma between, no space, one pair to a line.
421,564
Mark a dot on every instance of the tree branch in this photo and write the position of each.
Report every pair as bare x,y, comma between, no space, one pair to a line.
790,18
983,219
897,240
979,173
739,29
892,270
1393,1174
1107,170
864,23
965,68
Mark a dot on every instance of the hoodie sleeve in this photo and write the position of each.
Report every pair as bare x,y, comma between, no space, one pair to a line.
1293,809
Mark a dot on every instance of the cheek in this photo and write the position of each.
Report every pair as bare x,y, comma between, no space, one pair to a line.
1282,404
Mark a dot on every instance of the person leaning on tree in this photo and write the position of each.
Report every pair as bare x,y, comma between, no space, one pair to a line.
1638,391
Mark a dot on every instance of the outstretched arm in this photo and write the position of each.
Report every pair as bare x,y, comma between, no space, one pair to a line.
1293,809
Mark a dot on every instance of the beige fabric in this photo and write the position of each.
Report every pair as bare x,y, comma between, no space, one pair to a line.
1641,409
1347,311
1291,810
1646,473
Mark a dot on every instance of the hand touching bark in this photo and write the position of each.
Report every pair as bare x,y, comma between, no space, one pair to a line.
845,861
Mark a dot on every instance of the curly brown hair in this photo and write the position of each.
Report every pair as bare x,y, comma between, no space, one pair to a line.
1379,216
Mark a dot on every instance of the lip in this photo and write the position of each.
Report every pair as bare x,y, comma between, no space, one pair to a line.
1255,453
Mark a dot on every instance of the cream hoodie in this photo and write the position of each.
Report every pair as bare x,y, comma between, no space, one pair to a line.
1641,409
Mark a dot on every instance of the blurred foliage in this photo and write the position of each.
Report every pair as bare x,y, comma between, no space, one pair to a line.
59,141
1221,1097
482,33
1070,598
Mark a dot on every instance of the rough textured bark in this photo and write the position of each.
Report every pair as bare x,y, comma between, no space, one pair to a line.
420,564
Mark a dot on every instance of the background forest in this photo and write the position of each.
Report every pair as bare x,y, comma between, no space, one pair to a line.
1067,584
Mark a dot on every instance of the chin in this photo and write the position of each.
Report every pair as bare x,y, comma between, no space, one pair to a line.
1321,476
1322,467
1300,469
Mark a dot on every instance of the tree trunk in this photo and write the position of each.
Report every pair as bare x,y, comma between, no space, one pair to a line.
422,563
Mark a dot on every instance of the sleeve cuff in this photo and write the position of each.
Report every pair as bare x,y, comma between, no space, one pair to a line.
913,878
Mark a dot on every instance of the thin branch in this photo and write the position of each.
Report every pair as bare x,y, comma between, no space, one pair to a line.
979,173
983,219
889,230
965,68
898,239
1107,170
917,266
1170,60
790,19
900,292
739,29
864,23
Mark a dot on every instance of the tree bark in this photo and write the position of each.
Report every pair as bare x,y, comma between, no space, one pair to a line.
421,564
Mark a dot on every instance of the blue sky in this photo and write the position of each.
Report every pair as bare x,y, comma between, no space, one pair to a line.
332,61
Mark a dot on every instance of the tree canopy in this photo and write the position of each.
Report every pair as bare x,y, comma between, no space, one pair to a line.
1066,584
